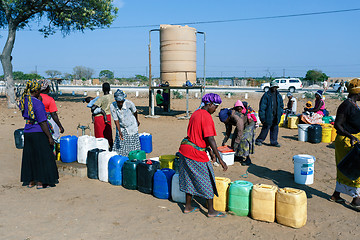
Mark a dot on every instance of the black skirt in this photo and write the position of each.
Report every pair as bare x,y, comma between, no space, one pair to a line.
38,160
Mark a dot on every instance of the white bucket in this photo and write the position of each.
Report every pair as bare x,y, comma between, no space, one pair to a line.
302,132
304,166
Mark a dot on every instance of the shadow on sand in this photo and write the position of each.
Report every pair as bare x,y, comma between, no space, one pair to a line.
284,179
144,110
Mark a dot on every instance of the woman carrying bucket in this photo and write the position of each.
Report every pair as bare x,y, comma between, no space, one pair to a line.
347,124
196,174
243,137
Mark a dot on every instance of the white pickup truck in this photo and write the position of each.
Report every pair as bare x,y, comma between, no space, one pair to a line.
290,84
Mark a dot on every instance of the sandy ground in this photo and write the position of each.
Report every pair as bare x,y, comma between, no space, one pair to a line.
81,208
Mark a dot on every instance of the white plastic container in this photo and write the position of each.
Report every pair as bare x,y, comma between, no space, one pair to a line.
176,194
302,132
228,157
102,143
85,143
103,161
304,169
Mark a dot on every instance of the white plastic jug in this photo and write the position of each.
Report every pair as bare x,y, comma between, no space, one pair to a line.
304,169
302,132
85,143
176,194
102,143
103,161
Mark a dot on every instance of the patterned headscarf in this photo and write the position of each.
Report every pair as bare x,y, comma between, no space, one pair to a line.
211,98
120,95
44,84
354,86
31,86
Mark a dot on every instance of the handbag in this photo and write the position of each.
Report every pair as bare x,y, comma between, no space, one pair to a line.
350,164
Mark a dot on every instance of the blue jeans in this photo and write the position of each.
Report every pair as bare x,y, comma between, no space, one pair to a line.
274,131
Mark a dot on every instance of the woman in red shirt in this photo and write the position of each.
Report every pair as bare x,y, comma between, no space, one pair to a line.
51,110
196,173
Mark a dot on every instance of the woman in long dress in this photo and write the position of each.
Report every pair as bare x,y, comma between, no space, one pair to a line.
243,139
196,174
347,124
38,167
125,116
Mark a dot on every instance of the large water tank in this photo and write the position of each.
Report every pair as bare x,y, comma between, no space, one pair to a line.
177,54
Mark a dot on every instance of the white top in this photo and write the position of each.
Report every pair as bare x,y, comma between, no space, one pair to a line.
125,116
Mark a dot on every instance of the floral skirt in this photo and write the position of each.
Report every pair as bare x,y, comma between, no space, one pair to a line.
130,143
246,145
197,178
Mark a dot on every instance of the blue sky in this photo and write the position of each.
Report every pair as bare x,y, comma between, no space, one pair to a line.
256,48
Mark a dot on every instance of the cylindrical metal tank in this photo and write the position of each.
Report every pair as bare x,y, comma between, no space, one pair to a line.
177,54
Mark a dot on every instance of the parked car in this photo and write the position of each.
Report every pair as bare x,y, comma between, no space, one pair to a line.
289,84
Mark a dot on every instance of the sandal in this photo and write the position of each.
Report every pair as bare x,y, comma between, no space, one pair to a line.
195,209
339,200
220,214
355,207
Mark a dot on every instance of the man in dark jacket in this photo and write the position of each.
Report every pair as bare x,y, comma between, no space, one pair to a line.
270,110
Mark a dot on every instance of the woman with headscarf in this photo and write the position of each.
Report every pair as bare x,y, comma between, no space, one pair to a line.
196,174
243,137
314,115
51,110
125,116
38,161
347,124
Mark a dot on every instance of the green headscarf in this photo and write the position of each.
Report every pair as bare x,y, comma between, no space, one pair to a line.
31,86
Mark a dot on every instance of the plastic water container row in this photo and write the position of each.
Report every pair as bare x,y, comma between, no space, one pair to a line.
262,202
133,173
316,133
74,148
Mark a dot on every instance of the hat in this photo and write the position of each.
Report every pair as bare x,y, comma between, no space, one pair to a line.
289,94
120,95
354,86
319,92
240,104
310,103
274,84
224,114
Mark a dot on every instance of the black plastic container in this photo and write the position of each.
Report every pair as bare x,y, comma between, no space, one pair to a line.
350,164
129,174
314,133
19,138
145,175
92,163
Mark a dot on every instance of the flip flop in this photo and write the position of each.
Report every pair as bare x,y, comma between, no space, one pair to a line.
195,209
339,200
355,207
220,214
